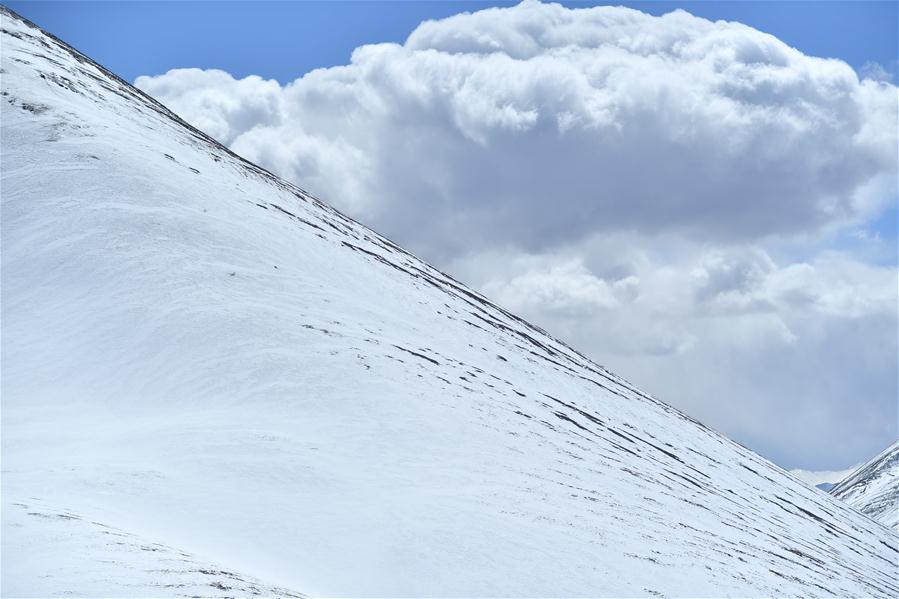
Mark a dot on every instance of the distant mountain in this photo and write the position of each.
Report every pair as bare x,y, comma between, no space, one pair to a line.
822,479
214,384
873,489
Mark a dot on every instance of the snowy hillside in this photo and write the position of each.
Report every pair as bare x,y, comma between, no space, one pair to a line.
212,381
873,489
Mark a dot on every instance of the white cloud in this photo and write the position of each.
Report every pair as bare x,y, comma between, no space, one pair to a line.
624,180
215,102
834,285
877,72
567,289
537,124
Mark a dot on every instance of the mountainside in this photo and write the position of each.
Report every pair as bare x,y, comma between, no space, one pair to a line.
873,489
214,384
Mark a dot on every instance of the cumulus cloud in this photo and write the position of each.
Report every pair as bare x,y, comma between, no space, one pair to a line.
834,285
628,181
536,124
567,288
215,102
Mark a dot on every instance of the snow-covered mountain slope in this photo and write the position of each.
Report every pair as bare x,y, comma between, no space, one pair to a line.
873,489
201,356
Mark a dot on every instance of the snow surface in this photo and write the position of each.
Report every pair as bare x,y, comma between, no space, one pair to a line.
206,360
51,546
873,489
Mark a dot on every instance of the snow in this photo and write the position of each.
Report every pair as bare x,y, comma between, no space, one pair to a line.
50,544
208,361
873,488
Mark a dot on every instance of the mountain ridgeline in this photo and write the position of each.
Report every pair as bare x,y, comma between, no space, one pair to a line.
873,488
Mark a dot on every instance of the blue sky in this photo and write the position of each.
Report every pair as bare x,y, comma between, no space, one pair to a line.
283,40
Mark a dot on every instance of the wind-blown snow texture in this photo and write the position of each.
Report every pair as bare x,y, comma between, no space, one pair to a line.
873,489
207,370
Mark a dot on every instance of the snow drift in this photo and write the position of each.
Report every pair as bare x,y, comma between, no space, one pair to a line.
213,381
